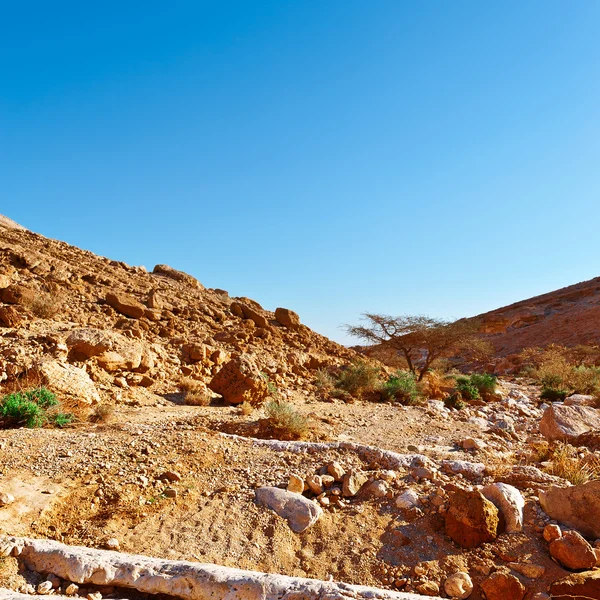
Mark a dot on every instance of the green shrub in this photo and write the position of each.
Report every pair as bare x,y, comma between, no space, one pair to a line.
553,395
402,387
285,421
467,389
324,381
30,408
485,384
455,401
358,378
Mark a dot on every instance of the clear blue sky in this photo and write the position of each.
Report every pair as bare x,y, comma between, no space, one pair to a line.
333,157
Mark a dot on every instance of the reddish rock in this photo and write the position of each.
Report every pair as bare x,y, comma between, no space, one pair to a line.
167,271
239,380
577,586
573,552
502,586
10,316
471,519
18,294
288,318
126,305
352,482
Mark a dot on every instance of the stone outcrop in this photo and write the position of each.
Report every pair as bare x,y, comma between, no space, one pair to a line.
577,586
67,381
565,423
471,519
181,276
288,318
577,506
180,579
239,380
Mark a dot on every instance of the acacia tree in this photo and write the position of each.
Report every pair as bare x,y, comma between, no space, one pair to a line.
420,339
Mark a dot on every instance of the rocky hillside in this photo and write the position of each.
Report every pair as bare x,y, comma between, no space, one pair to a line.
99,330
568,316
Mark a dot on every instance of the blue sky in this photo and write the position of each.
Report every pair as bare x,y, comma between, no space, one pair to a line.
333,157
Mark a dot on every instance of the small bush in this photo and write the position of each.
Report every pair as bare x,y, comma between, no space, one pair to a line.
402,387
285,421
455,401
467,389
103,413
30,408
45,305
485,384
553,395
246,408
567,463
324,381
358,378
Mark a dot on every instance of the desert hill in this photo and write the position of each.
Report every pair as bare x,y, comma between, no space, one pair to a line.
568,316
101,330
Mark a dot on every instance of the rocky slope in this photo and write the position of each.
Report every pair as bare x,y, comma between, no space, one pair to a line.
569,316
99,330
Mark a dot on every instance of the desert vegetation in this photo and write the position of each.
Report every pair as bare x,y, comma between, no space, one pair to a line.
32,408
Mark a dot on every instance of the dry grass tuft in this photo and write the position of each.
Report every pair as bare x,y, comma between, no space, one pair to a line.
285,421
103,413
45,305
577,468
194,392
246,409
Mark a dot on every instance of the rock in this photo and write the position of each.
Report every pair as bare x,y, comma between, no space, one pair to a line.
472,444
239,380
502,586
71,589
465,468
182,277
529,570
300,512
182,579
249,313
560,422
581,400
315,484
113,544
509,501
171,476
352,482
10,316
6,499
113,351
428,588
552,532
459,585
573,552
577,506
170,493
295,484
44,587
577,586
67,380
527,476
471,519
287,318
407,499
336,471
375,489
155,300
126,305
18,294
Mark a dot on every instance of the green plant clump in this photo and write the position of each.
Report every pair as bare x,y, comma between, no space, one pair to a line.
485,384
467,389
553,395
402,387
455,401
30,408
358,378
285,421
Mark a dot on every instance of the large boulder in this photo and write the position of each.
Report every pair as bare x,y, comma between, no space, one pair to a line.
18,294
240,380
471,519
573,552
560,422
113,351
10,316
577,506
171,273
288,318
67,381
299,511
247,312
126,305
510,503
